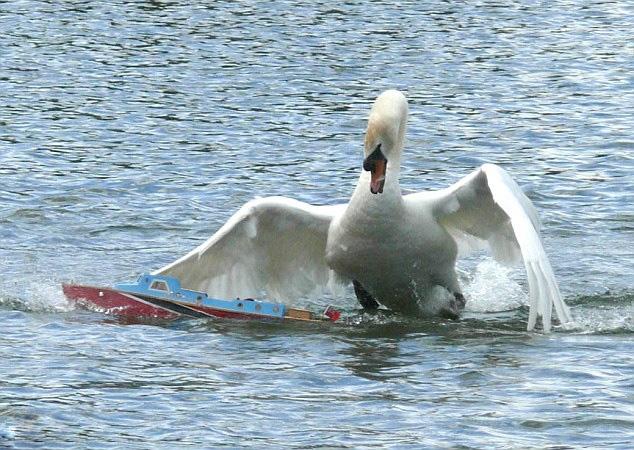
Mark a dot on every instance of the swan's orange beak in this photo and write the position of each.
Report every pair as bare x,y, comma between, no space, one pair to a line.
376,164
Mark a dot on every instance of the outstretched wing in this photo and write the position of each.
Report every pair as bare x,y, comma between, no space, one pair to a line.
273,246
488,206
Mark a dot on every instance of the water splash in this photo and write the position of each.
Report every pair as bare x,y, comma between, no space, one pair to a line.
37,293
492,288
605,320
607,313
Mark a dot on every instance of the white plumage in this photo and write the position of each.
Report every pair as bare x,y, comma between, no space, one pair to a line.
398,247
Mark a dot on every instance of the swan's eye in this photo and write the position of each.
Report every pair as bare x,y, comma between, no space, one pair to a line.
376,155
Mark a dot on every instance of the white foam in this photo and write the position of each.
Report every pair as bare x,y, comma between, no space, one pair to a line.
492,287
603,319
35,293
46,295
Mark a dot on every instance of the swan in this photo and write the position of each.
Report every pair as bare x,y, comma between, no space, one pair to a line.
396,249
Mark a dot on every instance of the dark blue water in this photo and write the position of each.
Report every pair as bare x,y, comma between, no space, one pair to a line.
130,131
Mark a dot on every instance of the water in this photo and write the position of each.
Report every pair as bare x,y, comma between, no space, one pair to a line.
130,131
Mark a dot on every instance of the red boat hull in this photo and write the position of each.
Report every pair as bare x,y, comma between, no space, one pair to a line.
114,302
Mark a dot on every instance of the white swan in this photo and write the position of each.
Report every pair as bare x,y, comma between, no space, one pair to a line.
395,248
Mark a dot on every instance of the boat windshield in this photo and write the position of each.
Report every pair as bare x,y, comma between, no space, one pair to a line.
159,285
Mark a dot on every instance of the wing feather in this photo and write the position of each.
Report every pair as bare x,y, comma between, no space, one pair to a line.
273,246
489,206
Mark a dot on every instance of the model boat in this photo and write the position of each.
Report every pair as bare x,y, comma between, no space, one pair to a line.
162,297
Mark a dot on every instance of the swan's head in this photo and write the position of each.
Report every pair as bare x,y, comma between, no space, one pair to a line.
384,136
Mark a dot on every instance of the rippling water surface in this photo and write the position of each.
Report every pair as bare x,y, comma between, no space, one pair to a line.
130,131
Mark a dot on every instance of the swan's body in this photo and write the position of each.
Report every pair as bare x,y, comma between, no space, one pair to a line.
397,247
396,250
